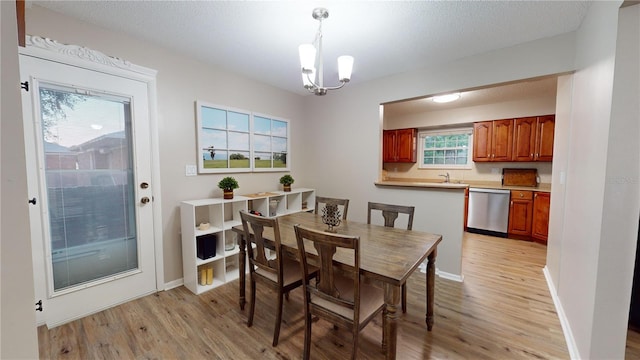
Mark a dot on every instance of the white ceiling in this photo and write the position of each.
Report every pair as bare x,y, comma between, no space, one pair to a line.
521,90
260,39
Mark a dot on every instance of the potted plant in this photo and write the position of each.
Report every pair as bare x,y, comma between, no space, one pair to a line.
286,181
227,185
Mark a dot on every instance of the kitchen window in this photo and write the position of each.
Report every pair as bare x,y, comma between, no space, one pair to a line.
234,140
446,149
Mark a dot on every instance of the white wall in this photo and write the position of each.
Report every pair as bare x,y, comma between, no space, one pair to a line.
180,82
586,167
621,208
18,337
590,256
560,158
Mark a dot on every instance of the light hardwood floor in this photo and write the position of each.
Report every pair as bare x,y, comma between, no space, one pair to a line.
502,310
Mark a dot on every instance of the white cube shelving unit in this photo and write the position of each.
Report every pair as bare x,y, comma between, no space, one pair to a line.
296,200
222,215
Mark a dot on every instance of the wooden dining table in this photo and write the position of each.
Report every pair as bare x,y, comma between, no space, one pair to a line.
388,256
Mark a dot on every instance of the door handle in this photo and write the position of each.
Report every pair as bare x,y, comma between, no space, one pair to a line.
144,200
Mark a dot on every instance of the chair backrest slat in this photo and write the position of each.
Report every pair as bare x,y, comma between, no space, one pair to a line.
254,228
326,245
390,213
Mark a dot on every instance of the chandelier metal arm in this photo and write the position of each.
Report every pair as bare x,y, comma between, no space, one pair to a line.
315,86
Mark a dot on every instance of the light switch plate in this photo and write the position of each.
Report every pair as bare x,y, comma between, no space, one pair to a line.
190,170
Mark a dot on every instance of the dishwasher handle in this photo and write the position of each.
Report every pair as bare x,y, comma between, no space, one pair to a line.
491,191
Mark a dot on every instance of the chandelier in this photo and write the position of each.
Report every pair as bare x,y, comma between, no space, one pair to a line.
311,61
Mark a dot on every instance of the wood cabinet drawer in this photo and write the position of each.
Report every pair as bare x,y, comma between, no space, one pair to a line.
521,194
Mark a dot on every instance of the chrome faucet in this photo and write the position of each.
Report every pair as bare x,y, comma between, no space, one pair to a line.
446,177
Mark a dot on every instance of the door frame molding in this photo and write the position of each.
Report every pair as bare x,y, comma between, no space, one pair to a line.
94,60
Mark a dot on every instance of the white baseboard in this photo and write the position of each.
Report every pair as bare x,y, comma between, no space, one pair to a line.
173,284
442,274
449,276
564,322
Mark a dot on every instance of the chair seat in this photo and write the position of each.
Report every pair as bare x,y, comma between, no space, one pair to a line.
371,299
290,272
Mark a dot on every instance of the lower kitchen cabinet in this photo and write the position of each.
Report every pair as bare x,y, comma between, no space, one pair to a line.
540,227
520,214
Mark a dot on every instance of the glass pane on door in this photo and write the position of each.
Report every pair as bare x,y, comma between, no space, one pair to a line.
90,185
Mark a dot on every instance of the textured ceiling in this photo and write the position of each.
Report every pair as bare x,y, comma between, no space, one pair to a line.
260,39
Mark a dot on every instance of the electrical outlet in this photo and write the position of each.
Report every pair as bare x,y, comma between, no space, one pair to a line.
190,170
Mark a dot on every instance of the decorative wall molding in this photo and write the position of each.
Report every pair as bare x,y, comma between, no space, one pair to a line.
77,52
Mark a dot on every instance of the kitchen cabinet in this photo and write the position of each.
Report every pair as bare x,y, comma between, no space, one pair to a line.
544,138
540,223
399,145
533,138
520,214
493,140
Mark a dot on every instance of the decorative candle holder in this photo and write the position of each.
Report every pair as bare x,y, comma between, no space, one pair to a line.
331,216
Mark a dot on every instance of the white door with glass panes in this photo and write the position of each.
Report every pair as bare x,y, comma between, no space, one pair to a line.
87,135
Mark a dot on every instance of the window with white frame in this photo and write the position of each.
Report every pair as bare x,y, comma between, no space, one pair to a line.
233,140
446,149
270,140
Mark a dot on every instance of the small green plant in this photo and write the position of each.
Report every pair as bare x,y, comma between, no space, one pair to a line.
286,180
228,183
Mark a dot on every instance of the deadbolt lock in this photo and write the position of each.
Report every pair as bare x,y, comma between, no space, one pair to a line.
144,185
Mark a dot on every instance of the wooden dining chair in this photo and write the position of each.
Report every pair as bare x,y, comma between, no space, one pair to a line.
338,295
390,214
344,203
279,273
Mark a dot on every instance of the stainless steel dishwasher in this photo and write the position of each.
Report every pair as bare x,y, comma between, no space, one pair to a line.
488,211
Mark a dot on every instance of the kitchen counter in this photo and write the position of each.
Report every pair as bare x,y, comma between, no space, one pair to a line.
439,184
420,184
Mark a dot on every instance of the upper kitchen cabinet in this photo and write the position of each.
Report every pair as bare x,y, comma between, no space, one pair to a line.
399,145
533,138
544,138
493,140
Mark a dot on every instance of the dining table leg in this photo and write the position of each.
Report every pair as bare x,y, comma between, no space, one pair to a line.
431,275
390,335
242,258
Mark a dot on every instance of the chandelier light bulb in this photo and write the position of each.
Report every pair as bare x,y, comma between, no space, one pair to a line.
307,56
345,66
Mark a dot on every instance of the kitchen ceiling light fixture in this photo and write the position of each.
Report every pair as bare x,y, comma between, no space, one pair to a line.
446,98
311,61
